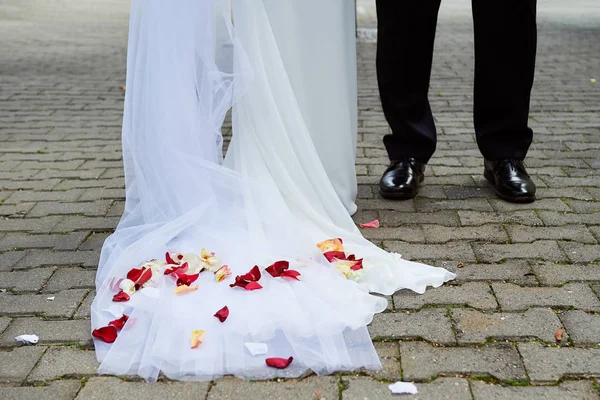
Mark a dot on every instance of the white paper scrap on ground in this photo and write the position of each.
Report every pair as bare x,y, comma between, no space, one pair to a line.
50,298
257,348
403,387
28,339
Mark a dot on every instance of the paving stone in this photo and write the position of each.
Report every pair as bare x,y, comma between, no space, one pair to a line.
10,258
102,388
415,251
470,204
411,234
63,306
59,390
583,207
94,208
71,278
556,274
4,323
541,249
49,332
84,311
58,242
473,294
359,388
102,193
422,361
516,298
37,258
31,280
31,225
552,218
486,233
549,364
583,328
64,361
78,223
16,364
517,271
565,391
31,196
432,325
395,218
475,327
389,354
527,234
232,388
543,204
581,253
94,241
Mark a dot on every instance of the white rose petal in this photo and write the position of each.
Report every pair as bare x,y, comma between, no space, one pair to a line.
128,286
28,339
257,348
403,387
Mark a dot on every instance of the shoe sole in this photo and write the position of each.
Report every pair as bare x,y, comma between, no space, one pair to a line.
400,196
491,179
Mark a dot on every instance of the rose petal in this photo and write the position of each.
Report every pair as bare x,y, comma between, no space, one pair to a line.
256,348
279,363
332,255
403,387
197,338
222,273
558,335
121,296
114,284
144,277
253,286
107,334
170,260
177,270
277,268
252,275
222,314
186,279
331,245
183,289
120,322
134,274
290,273
372,225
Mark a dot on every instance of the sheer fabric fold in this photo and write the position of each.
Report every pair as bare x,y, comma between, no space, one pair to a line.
270,200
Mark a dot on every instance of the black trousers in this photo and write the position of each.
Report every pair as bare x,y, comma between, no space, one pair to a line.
505,47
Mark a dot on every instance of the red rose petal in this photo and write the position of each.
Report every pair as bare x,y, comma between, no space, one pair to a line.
144,277
222,314
253,275
290,273
107,334
180,257
135,274
177,270
331,255
121,296
277,268
184,279
170,260
357,266
279,363
253,286
119,323
372,225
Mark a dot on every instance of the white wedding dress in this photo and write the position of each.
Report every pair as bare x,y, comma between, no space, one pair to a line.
270,200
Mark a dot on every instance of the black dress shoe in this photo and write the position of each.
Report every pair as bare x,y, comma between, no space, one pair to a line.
510,179
401,179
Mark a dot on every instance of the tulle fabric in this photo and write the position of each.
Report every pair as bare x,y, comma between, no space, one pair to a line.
270,200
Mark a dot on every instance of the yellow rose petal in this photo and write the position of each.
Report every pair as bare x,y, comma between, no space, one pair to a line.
183,289
197,338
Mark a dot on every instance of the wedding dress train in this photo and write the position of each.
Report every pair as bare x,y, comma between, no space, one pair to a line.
162,305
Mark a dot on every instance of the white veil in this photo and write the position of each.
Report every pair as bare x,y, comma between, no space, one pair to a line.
272,200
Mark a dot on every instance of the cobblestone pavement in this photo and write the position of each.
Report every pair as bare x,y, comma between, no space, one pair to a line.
524,271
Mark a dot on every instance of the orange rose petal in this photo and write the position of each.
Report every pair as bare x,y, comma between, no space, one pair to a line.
197,338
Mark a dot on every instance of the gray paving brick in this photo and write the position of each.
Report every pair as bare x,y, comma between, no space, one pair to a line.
470,204
232,388
31,225
429,324
102,193
58,242
475,327
565,391
32,196
63,306
583,328
94,241
77,223
389,354
71,278
541,250
4,323
16,364
84,309
486,233
395,219
516,298
411,234
460,251
358,388
102,388
64,361
526,234
549,364
517,271
583,207
25,281
96,208
552,218
421,361
556,274
543,204
581,253
37,258
473,294
9,259
49,332
60,390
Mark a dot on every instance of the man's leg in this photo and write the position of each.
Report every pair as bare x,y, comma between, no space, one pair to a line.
406,33
505,47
